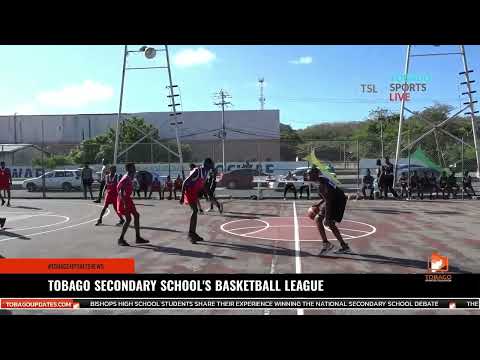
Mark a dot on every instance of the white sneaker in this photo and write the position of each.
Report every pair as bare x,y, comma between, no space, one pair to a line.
208,210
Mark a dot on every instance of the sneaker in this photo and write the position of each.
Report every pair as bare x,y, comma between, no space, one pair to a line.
140,240
2,222
220,209
208,210
122,242
192,238
96,201
198,238
344,250
8,204
3,202
326,248
121,222
99,222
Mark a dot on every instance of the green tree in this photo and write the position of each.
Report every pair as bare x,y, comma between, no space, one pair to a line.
102,146
53,162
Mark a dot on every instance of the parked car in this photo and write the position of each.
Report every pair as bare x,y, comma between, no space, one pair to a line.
65,180
241,179
299,173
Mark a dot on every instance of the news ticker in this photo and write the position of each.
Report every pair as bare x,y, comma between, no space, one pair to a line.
243,303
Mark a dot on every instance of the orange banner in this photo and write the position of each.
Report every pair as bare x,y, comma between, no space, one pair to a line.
38,304
67,266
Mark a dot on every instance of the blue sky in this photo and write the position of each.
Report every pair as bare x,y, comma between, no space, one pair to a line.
308,84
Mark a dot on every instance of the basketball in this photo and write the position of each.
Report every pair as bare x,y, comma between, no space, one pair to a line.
312,212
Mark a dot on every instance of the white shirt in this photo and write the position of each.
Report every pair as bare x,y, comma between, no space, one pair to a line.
104,172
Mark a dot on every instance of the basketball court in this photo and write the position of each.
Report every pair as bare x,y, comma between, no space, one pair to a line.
267,236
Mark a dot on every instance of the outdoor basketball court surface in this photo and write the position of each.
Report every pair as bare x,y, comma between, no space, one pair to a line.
266,236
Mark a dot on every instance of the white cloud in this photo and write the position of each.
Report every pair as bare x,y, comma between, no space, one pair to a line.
304,60
75,96
191,57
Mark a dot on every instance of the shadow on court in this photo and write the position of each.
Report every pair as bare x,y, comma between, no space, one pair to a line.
444,213
26,207
13,235
252,216
380,259
158,229
264,249
251,213
181,252
386,211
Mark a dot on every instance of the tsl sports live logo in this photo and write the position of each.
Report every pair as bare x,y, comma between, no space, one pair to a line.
401,86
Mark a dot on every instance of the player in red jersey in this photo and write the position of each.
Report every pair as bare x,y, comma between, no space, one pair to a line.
5,182
168,187
192,187
126,207
111,194
177,186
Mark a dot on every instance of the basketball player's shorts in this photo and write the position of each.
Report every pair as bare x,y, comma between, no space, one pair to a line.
337,207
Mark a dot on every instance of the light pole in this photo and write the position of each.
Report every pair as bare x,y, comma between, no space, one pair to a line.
115,153
149,53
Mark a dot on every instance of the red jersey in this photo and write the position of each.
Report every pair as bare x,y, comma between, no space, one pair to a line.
125,206
178,184
195,185
5,178
169,185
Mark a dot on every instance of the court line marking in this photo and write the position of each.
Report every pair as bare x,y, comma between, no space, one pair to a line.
298,264
286,226
43,226
63,228
350,237
267,225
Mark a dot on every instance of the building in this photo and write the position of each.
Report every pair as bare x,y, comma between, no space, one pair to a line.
250,134
20,154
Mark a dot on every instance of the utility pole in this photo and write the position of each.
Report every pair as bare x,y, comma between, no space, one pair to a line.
261,99
222,94
15,127
174,113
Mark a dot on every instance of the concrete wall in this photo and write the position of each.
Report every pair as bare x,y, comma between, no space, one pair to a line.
197,125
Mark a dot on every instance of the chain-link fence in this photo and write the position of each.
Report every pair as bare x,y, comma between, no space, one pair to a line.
348,160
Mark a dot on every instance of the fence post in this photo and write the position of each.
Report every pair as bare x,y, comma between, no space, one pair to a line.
345,155
43,163
358,166
462,169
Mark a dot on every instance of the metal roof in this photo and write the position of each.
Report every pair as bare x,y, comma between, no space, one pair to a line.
8,148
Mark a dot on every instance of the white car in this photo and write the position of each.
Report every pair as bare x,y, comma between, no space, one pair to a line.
65,180
298,173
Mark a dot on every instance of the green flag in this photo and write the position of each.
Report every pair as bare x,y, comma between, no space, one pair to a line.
313,160
419,155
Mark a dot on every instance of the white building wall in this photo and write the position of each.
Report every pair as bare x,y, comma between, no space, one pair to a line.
197,125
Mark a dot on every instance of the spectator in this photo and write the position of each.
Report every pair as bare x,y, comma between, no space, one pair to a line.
289,185
452,185
467,184
433,185
388,179
87,180
157,187
444,184
168,187
404,185
380,177
367,183
177,186
103,174
414,185
424,185
136,187
306,177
